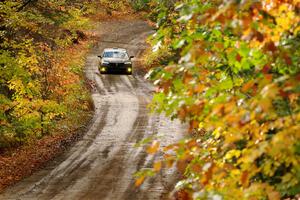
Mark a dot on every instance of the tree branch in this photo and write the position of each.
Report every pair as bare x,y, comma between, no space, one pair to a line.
24,5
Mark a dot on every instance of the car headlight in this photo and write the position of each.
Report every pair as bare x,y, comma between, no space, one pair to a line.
127,63
129,69
103,69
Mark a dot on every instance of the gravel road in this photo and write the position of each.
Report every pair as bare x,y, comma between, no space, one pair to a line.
102,164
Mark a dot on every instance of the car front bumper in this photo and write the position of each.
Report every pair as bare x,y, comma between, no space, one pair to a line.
115,68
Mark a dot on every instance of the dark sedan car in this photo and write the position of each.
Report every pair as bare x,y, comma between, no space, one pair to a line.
115,60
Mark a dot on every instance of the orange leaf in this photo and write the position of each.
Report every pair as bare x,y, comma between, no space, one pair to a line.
247,86
191,144
193,124
196,168
181,165
274,195
153,148
170,162
268,77
208,174
187,78
245,179
182,113
199,88
169,147
182,195
139,181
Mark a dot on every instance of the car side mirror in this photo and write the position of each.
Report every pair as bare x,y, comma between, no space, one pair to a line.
99,56
131,57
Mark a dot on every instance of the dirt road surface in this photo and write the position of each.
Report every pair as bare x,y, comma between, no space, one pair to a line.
102,164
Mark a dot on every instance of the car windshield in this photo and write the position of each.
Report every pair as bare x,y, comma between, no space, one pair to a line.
115,54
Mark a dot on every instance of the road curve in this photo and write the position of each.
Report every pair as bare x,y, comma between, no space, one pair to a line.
102,164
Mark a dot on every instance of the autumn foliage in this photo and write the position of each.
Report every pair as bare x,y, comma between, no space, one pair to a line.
41,76
234,78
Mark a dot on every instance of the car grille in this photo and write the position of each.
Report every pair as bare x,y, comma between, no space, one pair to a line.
119,65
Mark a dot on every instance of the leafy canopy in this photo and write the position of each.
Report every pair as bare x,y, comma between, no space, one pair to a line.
35,90
236,83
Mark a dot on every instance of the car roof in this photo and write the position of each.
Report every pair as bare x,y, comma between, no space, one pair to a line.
114,49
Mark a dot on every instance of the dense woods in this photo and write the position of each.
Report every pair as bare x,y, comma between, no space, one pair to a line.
41,83
231,70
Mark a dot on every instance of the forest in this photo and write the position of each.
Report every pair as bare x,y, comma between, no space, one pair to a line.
41,90
231,70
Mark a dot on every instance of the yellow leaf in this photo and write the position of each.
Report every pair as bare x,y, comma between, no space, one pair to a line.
157,166
232,153
266,104
153,148
199,88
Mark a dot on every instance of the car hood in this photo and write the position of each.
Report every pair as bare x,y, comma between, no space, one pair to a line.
114,60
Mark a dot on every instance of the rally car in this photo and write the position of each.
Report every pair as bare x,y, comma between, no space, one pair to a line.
115,60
